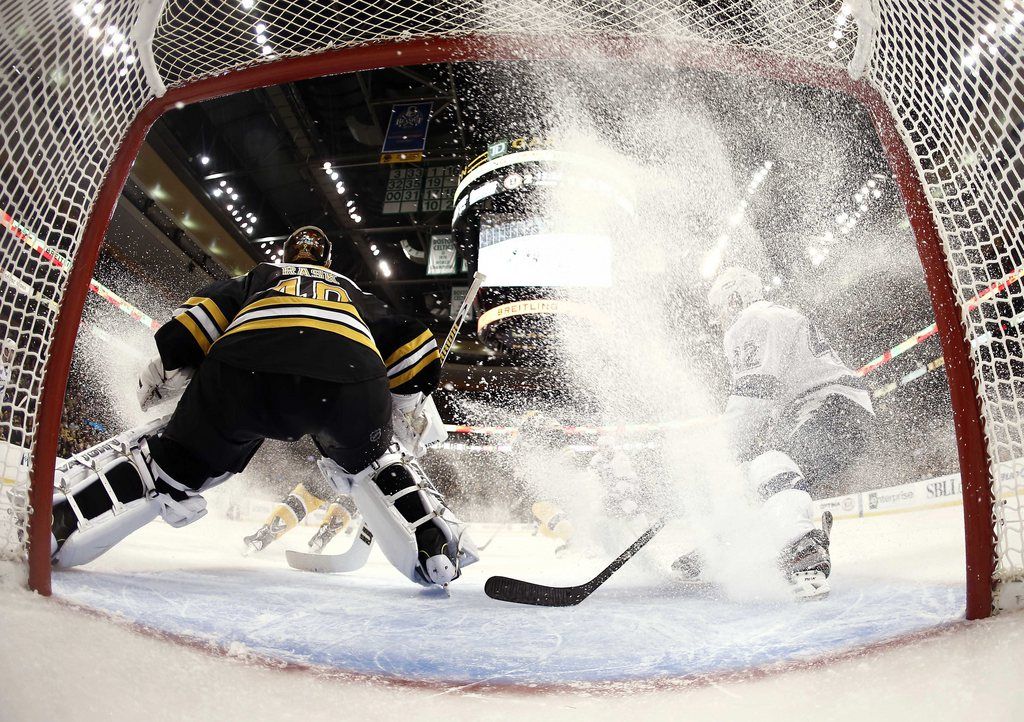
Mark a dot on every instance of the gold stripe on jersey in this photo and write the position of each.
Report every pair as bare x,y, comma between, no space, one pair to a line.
211,308
300,322
300,301
403,350
197,333
411,373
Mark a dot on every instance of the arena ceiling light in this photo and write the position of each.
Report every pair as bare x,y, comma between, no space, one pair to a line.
204,159
385,269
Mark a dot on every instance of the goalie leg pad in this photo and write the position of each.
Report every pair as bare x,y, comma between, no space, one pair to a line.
105,493
415,529
88,542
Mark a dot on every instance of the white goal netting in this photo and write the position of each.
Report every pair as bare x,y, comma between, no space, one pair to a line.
75,75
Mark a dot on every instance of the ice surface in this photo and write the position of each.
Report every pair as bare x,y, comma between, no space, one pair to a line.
375,622
894,576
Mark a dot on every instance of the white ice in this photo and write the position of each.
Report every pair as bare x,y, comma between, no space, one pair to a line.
888,643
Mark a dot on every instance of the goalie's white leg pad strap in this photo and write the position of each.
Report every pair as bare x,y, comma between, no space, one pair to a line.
397,536
104,531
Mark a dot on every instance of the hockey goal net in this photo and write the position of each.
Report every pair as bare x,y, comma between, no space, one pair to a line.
82,81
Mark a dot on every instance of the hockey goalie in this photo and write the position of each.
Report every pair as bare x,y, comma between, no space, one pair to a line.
413,371
283,352
796,417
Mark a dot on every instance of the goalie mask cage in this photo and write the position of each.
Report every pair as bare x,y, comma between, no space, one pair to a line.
81,83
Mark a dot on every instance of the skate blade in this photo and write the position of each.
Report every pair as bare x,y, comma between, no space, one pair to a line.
809,585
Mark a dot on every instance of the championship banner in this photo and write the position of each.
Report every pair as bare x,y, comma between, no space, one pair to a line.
407,133
442,257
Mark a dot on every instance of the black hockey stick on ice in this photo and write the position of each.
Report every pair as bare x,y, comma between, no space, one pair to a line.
517,591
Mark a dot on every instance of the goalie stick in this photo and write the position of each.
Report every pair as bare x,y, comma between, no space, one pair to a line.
517,591
359,552
348,561
460,316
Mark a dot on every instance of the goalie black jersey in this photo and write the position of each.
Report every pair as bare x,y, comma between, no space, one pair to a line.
287,318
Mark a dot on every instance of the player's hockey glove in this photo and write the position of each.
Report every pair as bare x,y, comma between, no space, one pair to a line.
157,385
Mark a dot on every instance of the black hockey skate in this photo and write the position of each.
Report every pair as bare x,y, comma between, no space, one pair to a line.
689,567
328,531
263,537
806,562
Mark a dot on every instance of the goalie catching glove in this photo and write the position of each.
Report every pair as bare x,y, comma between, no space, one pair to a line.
157,385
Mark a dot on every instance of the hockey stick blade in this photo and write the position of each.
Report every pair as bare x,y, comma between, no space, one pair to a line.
348,561
517,591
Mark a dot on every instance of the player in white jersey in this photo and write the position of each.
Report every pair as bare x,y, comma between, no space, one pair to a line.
796,416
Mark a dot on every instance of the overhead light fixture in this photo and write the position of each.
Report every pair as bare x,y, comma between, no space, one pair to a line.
350,204
234,196
385,269
217,192
230,207
224,183
204,159
334,175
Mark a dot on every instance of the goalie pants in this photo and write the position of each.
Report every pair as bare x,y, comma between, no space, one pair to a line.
226,413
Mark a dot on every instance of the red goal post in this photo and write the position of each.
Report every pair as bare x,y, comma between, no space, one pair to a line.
89,78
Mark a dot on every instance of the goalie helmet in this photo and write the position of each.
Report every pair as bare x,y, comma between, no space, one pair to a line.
308,244
733,290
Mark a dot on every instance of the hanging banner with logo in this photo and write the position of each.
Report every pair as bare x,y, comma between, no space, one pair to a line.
407,133
442,255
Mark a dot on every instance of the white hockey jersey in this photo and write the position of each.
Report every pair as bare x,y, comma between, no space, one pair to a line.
778,356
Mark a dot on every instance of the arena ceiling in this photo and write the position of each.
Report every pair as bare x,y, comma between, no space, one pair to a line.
285,151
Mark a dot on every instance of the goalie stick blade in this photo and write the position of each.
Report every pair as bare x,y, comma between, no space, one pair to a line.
348,561
517,591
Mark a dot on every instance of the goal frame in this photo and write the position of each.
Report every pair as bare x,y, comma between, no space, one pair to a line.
971,448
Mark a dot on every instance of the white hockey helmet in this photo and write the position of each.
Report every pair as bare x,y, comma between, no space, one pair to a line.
733,290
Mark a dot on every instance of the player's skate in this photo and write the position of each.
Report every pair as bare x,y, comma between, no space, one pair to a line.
806,561
337,519
264,536
689,567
